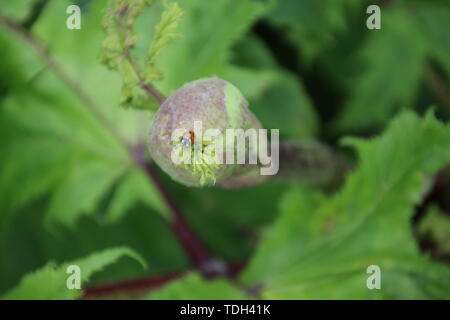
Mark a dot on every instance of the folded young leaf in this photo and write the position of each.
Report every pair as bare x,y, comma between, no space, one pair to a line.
165,31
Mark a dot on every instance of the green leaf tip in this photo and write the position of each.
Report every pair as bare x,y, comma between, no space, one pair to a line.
165,31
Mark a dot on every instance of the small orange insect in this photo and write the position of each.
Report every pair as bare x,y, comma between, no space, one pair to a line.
187,139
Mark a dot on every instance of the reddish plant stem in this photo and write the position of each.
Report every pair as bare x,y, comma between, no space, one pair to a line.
191,244
193,247
181,229
151,90
142,286
137,287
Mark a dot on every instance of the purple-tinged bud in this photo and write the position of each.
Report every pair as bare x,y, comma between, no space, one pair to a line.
215,104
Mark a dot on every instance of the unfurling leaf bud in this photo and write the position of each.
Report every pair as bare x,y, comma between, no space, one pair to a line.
181,123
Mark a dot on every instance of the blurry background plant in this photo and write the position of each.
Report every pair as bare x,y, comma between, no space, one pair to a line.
75,180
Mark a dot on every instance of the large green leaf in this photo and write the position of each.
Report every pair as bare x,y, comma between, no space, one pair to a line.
392,60
27,244
55,142
203,49
320,247
76,52
50,282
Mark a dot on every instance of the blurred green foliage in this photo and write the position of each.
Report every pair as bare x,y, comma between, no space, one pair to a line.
192,286
70,188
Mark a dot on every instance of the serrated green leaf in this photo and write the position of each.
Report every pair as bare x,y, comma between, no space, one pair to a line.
54,143
321,249
27,243
49,282
194,287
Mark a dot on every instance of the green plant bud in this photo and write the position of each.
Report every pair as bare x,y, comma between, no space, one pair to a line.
214,102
